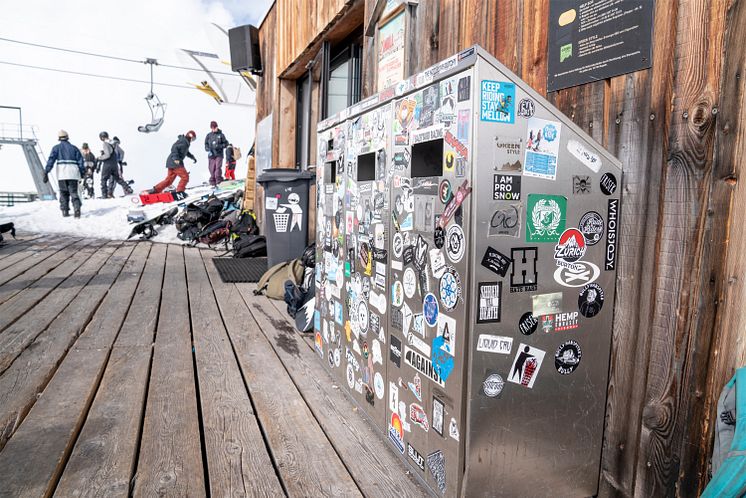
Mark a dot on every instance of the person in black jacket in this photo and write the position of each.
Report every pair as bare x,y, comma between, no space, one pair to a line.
89,161
215,144
175,164
108,166
69,170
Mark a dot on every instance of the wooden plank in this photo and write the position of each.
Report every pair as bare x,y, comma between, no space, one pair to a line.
307,463
105,454
25,379
37,260
60,266
237,459
33,459
14,246
422,37
15,338
286,156
170,459
368,458
584,105
534,45
728,347
448,26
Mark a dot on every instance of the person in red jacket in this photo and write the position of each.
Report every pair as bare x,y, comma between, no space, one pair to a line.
230,163
175,164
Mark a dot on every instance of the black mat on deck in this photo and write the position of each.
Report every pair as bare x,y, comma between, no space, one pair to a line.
240,270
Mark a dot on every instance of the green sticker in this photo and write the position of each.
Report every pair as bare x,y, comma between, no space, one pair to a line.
545,217
565,52
347,268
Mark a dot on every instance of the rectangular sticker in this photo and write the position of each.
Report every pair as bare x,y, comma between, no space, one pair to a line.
524,277
498,101
506,187
438,415
526,365
542,148
495,261
612,215
546,304
494,344
545,217
490,300
422,365
507,154
506,221
585,156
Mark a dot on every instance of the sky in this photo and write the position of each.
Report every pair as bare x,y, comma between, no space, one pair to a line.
84,106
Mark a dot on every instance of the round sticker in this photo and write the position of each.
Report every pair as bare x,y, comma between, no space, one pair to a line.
567,357
527,324
378,385
571,246
591,300
450,289
592,227
337,357
608,183
449,160
455,245
397,294
493,385
430,309
365,355
331,359
440,237
362,317
350,376
397,244
410,282
445,191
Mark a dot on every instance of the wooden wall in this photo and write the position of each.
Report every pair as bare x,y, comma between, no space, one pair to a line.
678,128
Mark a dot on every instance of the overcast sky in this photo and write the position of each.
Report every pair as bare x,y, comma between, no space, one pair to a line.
84,106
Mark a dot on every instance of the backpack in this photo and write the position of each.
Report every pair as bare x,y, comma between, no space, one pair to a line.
213,233
236,153
245,224
272,283
250,246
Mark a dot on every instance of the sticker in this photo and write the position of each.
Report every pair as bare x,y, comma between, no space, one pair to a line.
546,304
577,274
591,226
430,309
526,366
490,298
581,184
416,387
526,108
450,289
318,344
523,276
542,148
461,194
418,416
462,125
397,294
444,191
422,365
418,343
506,187
407,224
447,330
585,156
337,357
443,361
409,282
395,351
437,262
567,357
350,376
396,265
438,415
591,300
493,385
459,147
545,218
506,221
393,397
495,261
376,350
378,301
415,456
464,88
507,154
378,385
497,101
559,322
439,237
436,464
453,429
455,243
270,203
608,183
611,222
430,100
396,435
494,344
426,185
527,324
449,161
397,244
570,247
362,317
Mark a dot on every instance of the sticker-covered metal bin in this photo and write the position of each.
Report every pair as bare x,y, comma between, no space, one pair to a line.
467,236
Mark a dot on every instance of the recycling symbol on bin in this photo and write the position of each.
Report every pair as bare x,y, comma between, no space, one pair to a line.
289,215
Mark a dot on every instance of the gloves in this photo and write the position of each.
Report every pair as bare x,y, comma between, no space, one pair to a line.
123,163
46,177
194,160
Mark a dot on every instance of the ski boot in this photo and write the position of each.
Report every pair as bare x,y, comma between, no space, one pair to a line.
76,214
65,213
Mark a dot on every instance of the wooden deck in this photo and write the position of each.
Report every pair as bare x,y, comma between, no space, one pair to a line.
129,368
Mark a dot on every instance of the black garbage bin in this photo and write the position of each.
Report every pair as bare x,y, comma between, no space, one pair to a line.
285,212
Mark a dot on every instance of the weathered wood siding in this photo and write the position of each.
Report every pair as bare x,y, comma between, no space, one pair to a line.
678,128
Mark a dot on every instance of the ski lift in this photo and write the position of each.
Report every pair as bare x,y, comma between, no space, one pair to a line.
157,108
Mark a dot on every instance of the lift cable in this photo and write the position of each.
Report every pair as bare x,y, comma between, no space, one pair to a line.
112,57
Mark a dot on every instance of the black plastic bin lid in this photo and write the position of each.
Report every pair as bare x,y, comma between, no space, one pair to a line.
284,175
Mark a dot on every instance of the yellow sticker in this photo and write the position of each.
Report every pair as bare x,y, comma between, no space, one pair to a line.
567,17
450,161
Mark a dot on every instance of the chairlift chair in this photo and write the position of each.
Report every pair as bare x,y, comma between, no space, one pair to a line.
157,108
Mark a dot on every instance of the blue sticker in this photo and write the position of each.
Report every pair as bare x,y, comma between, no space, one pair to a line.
430,309
338,313
498,102
442,361
317,320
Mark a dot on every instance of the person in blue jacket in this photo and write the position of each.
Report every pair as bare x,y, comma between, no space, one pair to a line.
70,169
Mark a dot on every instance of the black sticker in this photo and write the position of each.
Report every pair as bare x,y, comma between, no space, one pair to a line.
370,397
525,108
591,300
523,277
426,185
611,222
490,302
567,357
439,236
415,456
506,187
397,319
374,322
608,183
592,227
496,261
401,159
408,255
528,323
379,255
581,184
464,88
420,253
395,350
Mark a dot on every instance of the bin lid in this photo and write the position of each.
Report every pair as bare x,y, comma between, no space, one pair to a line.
284,175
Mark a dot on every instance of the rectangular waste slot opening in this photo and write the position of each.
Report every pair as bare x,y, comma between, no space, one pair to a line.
366,167
427,158
330,173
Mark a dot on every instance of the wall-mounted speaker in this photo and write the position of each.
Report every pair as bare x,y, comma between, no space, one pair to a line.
245,55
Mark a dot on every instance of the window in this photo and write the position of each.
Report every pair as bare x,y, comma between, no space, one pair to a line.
303,121
342,76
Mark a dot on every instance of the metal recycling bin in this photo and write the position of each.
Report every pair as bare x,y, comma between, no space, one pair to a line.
285,213
466,269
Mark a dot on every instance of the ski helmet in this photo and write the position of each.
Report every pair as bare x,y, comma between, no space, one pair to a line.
62,135
103,135
85,145
115,140
191,135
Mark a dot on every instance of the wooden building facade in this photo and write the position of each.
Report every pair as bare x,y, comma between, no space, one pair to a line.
679,130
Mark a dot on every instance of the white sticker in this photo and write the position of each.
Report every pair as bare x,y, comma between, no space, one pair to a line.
494,344
350,376
447,330
379,386
393,397
437,262
453,429
270,203
396,265
585,156
378,301
418,343
526,365
377,357
410,282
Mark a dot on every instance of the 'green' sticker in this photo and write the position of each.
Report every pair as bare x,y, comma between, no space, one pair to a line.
565,52
545,217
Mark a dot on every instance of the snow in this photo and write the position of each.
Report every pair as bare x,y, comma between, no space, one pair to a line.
100,218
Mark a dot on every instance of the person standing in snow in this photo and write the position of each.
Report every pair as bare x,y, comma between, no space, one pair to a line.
230,163
119,152
108,166
215,144
69,171
89,161
175,164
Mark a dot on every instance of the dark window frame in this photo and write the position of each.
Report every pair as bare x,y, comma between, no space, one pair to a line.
349,49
